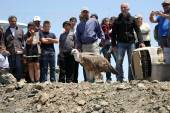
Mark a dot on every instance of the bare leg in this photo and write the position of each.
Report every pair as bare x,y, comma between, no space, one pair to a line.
31,71
37,71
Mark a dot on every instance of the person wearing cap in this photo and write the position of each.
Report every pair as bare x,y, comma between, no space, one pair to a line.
37,22
163,20
66,44
145,30
88,32
123,39
48,39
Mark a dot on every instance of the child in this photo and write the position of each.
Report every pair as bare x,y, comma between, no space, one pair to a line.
48,40
32,53
67,43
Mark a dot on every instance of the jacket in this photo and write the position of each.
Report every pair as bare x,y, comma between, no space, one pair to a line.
123,30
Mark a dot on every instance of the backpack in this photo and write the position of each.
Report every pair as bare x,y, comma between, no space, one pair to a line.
156,32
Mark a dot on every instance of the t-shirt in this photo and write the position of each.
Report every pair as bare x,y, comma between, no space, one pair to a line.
163,29
47,47
145,29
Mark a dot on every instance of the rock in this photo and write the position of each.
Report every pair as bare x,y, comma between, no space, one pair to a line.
20,84
38,107
138,111
32,93
141,86
10,99
95,112
39,86
163,110
10,88
104,103
101,111
79,109
97,107
61,109
168,107
81,102
122,87
43,98
18,110
7,78
155,81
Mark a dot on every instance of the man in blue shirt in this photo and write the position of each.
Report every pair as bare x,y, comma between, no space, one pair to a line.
163,20
88,32
47,52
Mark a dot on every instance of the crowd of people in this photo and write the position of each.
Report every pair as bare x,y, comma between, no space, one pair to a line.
35,52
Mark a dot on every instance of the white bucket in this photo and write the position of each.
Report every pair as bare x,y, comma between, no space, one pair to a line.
167,55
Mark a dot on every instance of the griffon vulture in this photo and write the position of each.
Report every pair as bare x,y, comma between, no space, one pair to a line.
93,63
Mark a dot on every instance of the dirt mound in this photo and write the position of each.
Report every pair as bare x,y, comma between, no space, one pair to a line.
134,97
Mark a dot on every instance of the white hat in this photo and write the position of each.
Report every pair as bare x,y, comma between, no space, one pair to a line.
36,18
85,9
166,2
138,16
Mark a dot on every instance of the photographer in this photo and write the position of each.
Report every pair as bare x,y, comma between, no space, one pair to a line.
163,20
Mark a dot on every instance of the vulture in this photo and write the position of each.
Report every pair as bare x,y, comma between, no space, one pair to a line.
93,63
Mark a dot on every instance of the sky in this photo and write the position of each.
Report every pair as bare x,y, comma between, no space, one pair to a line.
58,11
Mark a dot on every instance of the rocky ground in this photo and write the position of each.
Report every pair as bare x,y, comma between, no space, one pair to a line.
133,97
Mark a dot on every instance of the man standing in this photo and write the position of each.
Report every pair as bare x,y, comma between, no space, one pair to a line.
73,22
163,20
123,33
48,52
88,33
14,42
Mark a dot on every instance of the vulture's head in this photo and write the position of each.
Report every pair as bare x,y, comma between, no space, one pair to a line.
76,55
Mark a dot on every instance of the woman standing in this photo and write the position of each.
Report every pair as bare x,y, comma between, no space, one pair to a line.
32,53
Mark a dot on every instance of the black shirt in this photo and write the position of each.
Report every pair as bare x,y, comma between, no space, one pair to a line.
123,30
47,47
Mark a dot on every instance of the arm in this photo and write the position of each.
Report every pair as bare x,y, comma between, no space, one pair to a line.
78,39
48,40
151,17
51,41
99,31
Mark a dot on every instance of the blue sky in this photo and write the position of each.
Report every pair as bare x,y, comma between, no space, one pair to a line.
57,11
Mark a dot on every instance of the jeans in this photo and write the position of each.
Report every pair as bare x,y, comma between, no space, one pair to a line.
163,42
122,48
107,54
47,59
15,64
61,64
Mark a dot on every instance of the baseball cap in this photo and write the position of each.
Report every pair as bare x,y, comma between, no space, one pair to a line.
36,18
166,2
138,16
85,9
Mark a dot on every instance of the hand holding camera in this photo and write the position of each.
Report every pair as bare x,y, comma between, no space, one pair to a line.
157,13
